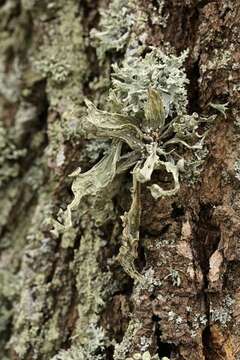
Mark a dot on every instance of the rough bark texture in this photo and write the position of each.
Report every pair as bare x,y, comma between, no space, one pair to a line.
76,302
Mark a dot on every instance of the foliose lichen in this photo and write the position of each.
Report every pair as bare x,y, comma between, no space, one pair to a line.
93,349
114,28
164,73
143,356
121,350
223,314
10,154
147,105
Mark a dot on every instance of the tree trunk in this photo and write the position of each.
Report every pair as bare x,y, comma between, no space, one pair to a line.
64,294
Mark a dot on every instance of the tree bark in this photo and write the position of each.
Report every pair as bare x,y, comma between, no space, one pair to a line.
65,296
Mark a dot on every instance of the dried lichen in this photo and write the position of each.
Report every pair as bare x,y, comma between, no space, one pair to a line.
150,100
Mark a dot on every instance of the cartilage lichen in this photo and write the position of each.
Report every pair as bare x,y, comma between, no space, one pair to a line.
147,105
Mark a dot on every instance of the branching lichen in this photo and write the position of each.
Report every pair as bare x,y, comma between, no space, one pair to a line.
164,73
148,101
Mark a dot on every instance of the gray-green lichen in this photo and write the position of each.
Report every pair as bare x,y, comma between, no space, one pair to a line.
92,350
164,73
147,105
114,28
92,284
237,169
223,314
34,301
60,57
222,108
159,16
9,156
143,356
122,350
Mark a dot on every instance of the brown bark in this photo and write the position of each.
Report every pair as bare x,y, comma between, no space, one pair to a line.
55,298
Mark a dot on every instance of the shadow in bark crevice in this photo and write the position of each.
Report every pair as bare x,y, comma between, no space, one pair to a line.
164,349
205,243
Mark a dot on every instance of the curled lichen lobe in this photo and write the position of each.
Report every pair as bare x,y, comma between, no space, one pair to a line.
147,104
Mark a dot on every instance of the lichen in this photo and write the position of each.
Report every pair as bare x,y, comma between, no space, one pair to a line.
114,28
121,350
223,314
10,154
150,98
143,356
92,350
222,108
60,57
175,277
159,16
164,73
237,169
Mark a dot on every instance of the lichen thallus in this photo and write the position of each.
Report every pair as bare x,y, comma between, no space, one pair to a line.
155,143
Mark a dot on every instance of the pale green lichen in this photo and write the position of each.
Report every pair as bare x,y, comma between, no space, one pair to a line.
175,277
222,108
61,58
224,313
93,349
159,16
29,318
164,73
93,286
10,154
145,95
121,350
9,288
114,28
237,169
143,356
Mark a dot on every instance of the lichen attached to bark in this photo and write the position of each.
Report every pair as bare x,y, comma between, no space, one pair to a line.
148,113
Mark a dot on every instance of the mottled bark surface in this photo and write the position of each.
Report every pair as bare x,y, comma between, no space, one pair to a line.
65,296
